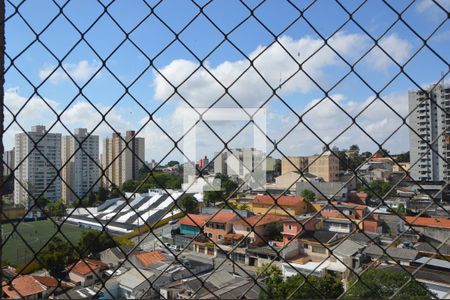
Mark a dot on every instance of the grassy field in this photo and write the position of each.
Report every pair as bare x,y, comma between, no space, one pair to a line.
36,234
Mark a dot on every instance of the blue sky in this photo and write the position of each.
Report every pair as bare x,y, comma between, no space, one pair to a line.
226,62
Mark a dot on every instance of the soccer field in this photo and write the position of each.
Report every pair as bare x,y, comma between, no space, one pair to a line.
36,234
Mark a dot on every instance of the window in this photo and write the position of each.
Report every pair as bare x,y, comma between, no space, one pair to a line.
220,237
248,229
289,227
210,235
89,277
305,246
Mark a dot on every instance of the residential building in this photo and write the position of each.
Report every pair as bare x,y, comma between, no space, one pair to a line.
219,226
8,162
289,180
429,139
435,228
86,271
294,227
203,163
325,166
117,255
192,224
391,255
255,229
247,164
327,190
122,158
132,284
345,217
146,259
294,164
81,165
37,160
29,287
284,205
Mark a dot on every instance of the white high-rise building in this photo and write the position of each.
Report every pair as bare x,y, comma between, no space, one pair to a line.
37,170
247,164
80,160
8,162
429,145
122,163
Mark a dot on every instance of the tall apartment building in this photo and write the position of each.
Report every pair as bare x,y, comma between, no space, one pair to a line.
244,163
432,133
8,162
80,160
120,162
36,169
326,166
293,164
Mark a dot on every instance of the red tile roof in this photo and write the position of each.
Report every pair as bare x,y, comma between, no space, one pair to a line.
23,286
46,280
429,222
283,200
194,220
223,217
234,236
149,258
86,266
260,220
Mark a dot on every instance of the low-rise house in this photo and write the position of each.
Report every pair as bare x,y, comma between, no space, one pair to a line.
255,229
345,217
293,227
220,224
146,259
392,255
436,228
280,205
218,285
86,271
25,286
191,225
132,284
115,256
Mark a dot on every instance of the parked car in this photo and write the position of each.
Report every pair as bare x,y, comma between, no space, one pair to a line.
173,221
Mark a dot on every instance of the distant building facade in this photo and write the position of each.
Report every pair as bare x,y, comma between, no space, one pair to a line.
37,166
429,121
122,163
294,164
325,166
80,159
8,162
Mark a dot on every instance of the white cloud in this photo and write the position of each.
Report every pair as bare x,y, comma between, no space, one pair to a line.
275,65
80,71
424,6
35,111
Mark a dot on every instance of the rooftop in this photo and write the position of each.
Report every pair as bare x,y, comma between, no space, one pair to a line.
86,266
149,258
23,286
396,253
194,220
222,217
260,220
282,200
429,222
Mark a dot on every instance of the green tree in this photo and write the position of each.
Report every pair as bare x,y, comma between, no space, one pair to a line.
377,187
383,152
402,157
102,195
354,148
172,163
56,255
129,186
400,209
91,199
94,242
308,195
57,208
42,201
212,197
273,231
382,283
188,202
272,277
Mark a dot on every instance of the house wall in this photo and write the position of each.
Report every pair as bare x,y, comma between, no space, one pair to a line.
189,230
260,209
218,235
86,279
